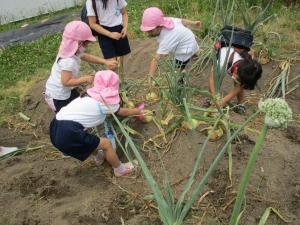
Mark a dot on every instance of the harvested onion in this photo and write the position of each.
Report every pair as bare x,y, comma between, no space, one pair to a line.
130,105
148,116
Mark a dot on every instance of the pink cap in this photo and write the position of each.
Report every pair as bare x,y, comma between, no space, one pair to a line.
74,32
106,87
154,17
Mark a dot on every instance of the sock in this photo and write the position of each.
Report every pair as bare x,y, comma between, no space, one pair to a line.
120,168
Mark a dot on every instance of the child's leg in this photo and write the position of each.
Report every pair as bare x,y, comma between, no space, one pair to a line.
110,155
240,96
120,168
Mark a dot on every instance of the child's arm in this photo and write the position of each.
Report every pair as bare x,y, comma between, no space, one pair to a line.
153,66
68,81
110,64
234,92
129,112
99,29
187,22
125,22
211,81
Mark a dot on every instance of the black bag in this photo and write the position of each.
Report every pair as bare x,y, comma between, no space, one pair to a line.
84,17
241,38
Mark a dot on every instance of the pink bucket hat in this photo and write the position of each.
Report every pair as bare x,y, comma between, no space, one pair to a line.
154,17
106,87
74,32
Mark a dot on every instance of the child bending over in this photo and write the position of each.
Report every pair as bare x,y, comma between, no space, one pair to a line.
68,129
244,71
173,37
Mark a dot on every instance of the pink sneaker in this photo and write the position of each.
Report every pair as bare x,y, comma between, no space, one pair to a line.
99,158
128,168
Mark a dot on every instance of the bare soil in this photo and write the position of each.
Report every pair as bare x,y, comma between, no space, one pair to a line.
42,188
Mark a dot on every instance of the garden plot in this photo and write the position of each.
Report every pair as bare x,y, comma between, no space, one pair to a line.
44,188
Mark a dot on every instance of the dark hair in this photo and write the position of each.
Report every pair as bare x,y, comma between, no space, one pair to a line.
249,72
105,3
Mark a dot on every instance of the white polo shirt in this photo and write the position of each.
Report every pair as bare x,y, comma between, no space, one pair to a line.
111,16
86,111
180,41
222,57
54,88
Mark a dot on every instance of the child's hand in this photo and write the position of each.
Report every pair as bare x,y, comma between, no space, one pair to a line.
198,23
111,64
115,35
124,32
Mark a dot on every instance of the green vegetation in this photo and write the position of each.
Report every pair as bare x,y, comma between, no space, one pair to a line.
22,61
25,62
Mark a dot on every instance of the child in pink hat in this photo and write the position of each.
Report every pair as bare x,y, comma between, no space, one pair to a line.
173,37
64,73
68,130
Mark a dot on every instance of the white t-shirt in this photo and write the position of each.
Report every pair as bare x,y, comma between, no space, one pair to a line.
86,111
111,16
54,87
180,41
222,57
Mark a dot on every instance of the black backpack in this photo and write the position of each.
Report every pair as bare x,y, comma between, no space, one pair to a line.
241,38
84,17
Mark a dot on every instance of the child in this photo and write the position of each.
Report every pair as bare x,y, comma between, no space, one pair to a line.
173,37
68,129
244,71
64,74
110,22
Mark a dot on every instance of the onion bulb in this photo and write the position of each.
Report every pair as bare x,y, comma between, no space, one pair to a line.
151,96
215,134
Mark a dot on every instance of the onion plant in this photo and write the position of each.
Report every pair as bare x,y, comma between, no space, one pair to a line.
277,115
260,18
173,212
267,213
281,85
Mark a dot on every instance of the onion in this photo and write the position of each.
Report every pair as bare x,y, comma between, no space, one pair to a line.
151,96
148,116
190,124
130,105
215,134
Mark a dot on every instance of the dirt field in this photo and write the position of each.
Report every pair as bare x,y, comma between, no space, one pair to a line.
35,189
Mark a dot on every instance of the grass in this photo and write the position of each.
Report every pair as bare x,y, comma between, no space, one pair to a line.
22,61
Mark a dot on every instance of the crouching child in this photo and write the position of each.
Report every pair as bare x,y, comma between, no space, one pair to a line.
68,131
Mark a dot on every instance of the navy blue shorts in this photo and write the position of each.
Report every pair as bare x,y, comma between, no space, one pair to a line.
113,48
62,103
70,138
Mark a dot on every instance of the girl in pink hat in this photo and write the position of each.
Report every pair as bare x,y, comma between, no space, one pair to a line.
173,37
68,130
64,73
110,21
